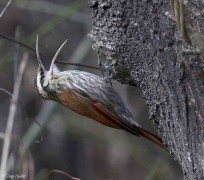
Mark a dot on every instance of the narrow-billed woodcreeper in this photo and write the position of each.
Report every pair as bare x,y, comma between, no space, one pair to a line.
89,95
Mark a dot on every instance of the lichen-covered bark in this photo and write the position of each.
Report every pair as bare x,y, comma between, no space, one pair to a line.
141,39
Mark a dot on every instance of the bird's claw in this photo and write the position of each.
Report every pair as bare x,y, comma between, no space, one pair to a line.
106,70
191,50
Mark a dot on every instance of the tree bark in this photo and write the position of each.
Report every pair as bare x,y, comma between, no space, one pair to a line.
142,41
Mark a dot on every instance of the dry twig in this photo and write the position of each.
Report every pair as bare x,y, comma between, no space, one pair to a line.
27,116
11,116
57,61
7,5
61,172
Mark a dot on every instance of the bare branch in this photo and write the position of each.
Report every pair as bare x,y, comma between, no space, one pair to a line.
57,61
61,172
77,64
17,42
11,116
7,5
27,116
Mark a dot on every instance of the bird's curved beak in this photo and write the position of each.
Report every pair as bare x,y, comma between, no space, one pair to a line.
55,57
41,67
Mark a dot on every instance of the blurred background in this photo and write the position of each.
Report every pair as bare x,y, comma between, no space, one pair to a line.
71,143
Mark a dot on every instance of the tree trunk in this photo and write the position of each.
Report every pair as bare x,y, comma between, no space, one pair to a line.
143,42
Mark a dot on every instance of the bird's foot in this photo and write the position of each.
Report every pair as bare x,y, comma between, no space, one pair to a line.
106,70
190,50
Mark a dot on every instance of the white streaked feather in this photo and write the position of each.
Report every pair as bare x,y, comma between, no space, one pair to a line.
40,89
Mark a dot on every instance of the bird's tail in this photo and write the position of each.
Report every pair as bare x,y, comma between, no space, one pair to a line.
150,136
120,123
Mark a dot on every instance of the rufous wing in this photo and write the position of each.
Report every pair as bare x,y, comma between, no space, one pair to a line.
136,130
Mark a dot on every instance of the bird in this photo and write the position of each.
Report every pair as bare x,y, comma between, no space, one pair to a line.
88,95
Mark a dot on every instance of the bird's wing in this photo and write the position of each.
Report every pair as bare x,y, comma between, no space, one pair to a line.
136,130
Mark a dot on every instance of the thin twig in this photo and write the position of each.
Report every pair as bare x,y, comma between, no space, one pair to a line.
27,116
6,91
17,42
7,5
61,172
57,61
77,64
11,116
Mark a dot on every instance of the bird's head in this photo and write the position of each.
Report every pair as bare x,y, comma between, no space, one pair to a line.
44,77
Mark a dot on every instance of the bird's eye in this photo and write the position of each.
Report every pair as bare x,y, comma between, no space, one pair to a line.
41,73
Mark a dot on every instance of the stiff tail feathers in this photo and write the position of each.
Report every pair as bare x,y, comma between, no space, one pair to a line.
151,137
136,130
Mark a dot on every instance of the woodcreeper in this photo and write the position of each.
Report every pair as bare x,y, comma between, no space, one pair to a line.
89,95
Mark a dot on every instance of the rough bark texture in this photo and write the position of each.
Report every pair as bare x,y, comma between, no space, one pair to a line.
142,40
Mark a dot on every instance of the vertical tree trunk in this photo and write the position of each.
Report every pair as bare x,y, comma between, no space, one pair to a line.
143,42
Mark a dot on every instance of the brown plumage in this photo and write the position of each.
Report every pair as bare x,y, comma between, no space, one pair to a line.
89,95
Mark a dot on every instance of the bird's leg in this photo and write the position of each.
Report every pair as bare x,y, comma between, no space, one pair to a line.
106,69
